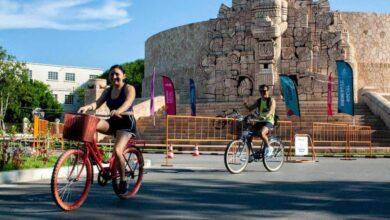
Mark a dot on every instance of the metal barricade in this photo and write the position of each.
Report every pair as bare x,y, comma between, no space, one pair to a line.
46,132
199,129
344,134
360,135
333,134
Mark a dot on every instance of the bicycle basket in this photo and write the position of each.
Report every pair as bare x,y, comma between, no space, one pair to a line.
79,127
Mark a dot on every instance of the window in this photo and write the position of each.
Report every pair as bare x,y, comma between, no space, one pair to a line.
93,76
53,76
56,96
69,99
70,77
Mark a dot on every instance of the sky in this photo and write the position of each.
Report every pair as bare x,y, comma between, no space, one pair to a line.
100,33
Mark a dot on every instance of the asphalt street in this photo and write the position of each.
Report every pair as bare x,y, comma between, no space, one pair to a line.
201,188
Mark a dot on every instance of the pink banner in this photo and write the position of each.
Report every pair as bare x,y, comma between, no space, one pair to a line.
170,97
330,95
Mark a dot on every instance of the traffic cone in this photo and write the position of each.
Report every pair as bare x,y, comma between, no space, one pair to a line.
170,154
196,151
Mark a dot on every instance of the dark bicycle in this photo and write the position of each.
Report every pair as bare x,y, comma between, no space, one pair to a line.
221,124
240,152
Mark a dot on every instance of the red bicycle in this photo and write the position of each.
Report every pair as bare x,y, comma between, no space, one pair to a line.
73,173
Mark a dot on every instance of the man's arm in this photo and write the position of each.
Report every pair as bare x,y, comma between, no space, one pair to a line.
272,109
250,107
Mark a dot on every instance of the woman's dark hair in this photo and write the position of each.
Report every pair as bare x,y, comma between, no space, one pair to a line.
117,67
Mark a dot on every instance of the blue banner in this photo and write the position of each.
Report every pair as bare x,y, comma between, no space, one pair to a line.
346,92
193,97
290,94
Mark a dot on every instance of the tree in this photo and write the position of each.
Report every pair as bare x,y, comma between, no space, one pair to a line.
12,73
36,95
134,74
19,95
80,95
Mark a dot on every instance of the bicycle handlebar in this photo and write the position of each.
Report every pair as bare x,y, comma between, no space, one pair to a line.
96,115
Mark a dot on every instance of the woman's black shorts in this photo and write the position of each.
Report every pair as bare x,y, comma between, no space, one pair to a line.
126,123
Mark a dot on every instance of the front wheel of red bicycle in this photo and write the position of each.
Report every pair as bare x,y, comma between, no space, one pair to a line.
134,170
71,180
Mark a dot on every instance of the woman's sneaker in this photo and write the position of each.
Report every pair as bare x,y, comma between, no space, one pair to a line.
123,187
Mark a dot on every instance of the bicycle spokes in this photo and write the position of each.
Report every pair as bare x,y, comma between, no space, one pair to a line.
71,179
236,156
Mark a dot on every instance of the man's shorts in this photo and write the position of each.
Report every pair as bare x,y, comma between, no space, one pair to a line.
258,126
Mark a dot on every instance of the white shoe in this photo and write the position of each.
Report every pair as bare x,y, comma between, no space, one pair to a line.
269,151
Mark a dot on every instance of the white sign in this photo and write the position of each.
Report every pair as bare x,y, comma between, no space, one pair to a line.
301,146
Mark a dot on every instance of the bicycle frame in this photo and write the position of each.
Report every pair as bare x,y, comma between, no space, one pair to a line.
92,151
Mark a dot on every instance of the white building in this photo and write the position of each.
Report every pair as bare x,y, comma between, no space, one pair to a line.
63,80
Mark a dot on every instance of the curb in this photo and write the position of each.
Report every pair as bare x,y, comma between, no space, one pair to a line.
30,175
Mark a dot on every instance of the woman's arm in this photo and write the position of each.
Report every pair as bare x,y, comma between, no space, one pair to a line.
130,97
97,104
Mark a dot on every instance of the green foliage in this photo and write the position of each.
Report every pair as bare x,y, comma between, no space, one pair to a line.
24,94
134,74
29,162
80,96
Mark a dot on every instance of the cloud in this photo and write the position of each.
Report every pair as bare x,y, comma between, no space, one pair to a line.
64,14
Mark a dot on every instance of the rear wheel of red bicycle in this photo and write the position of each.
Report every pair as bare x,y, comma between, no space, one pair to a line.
134,170
71,180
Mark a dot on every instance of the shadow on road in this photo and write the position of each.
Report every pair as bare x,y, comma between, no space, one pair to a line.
204,198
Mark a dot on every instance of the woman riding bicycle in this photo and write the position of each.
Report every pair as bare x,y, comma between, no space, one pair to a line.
119,98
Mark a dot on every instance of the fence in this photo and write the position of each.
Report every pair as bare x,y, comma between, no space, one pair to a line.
199,129
196,130
46,132
342,134
360,135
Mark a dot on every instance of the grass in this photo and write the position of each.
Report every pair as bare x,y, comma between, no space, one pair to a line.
32,163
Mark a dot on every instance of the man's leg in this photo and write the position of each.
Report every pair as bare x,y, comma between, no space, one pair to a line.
264,136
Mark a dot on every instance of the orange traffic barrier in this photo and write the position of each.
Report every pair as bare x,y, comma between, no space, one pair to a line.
46,132
359,135
189,129
332,134
344,134
196,130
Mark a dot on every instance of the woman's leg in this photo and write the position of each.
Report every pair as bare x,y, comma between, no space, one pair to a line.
122,138
103,127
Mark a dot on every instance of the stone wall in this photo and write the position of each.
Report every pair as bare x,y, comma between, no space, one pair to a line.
378,104
175,53
254,41
370,35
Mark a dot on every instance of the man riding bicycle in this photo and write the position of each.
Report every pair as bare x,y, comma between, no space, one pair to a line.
266,107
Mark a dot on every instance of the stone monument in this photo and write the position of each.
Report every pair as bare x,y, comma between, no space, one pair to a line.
254,41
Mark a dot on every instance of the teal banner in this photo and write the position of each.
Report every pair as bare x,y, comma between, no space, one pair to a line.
346,102
290,94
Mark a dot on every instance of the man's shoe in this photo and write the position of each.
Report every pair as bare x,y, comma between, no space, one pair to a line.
251,158
269,151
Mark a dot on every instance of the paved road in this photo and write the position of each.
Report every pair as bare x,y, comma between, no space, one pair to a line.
329,189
